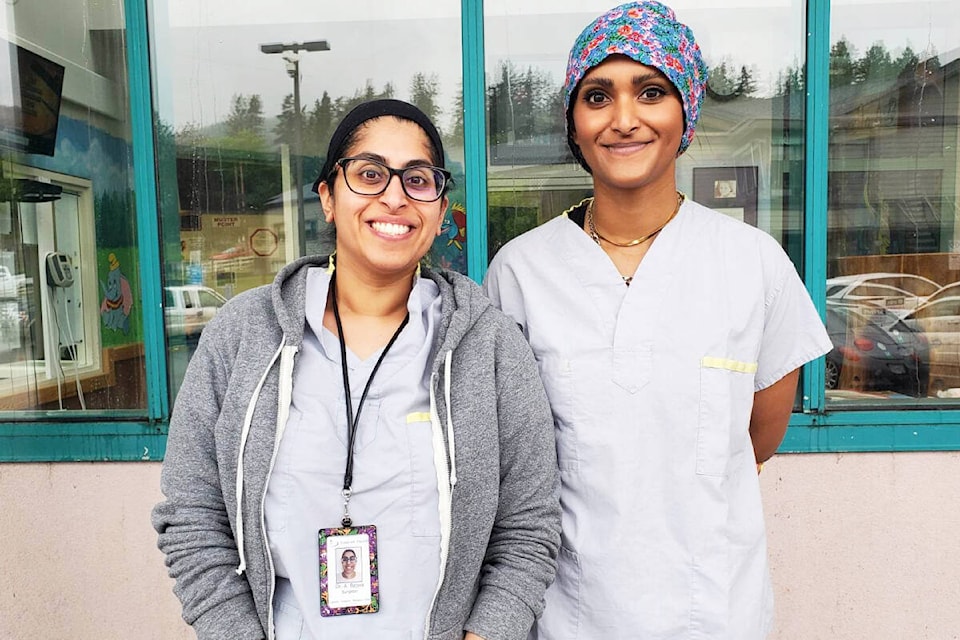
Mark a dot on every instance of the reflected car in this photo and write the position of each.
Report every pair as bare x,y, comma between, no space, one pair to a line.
874,350
939,320
188,308
899,292
946,291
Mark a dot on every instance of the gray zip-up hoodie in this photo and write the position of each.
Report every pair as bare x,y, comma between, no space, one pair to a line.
494,452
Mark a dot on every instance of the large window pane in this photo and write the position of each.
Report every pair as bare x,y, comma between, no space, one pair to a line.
237,158
70,319
892,229
746,160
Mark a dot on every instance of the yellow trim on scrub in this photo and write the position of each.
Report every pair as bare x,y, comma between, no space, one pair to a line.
731,365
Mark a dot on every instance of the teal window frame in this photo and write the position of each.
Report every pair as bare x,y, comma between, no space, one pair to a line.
130,437
127,435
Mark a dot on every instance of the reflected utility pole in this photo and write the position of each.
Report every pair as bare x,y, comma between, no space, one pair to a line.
291,53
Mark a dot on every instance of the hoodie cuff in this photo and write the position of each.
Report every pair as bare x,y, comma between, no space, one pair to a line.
499,615
235,619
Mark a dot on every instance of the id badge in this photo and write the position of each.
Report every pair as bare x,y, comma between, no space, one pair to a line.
348,571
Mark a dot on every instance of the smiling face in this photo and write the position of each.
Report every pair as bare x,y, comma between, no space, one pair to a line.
384,235
628,124
348,562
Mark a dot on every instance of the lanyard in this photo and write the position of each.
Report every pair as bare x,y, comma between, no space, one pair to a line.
354,421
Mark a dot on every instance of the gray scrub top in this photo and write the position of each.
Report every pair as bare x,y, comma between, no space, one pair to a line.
394,481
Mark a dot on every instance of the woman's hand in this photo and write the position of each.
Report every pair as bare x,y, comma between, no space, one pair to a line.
471,636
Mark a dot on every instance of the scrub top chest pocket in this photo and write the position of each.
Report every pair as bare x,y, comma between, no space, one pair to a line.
726,400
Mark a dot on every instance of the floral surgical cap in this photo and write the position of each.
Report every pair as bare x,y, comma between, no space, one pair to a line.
649,33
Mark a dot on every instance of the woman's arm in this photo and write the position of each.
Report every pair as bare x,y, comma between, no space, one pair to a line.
192,523
771,413
520,561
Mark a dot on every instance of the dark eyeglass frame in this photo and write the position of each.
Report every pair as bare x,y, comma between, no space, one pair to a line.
447,177
349,559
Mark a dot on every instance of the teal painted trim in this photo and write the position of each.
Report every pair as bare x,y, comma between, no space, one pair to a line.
148,226
79,442
873,431
475,136
817,128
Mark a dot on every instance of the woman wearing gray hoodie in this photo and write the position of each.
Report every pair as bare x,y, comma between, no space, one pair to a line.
362,410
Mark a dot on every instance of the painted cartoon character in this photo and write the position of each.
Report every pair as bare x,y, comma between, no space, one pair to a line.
455,227
117,298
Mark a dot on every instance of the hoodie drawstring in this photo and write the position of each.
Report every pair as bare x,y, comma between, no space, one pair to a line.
446,475
451,443
247,420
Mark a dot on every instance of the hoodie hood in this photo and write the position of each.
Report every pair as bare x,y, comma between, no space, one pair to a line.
463,304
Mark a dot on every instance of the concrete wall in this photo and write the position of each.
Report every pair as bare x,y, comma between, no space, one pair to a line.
862,546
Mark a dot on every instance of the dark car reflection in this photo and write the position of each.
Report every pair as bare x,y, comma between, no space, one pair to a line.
874,350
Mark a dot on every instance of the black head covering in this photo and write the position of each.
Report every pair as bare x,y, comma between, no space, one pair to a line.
368,111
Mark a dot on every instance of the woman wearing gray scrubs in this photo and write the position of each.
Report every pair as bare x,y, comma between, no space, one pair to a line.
363,449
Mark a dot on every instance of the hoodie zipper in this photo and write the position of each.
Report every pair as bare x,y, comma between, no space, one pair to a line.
446,479
284,400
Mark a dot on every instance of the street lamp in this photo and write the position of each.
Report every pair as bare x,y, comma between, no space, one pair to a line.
291,53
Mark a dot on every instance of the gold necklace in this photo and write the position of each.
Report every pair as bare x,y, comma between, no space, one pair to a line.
592,226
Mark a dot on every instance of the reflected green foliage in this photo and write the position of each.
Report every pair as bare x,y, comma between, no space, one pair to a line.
115,227
245,121
285,131
457,129
510,214
523,105
319,127
424,90
727,83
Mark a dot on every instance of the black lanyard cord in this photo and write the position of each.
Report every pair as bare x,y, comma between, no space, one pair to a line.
353,422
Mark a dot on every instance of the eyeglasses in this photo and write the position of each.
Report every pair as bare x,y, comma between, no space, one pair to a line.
366,177
349,558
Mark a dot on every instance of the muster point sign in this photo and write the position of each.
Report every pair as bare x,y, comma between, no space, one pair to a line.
263,242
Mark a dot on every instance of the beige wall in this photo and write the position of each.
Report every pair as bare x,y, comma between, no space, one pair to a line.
862,546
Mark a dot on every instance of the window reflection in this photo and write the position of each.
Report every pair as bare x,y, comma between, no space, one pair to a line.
746,159
238,159
892,239
70,320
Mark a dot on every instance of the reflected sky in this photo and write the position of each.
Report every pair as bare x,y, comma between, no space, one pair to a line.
209,49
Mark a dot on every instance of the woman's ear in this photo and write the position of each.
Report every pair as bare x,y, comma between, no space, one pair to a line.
326,201
443,212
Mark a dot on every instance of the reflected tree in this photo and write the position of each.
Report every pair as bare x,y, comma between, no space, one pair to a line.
319,127
523,105
285,131
843,67
726,83
424,90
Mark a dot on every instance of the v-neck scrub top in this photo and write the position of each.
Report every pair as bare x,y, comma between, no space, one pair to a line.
652,388
394,480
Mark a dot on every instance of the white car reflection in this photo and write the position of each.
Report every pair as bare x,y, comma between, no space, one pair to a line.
188,308
898,292
939,320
